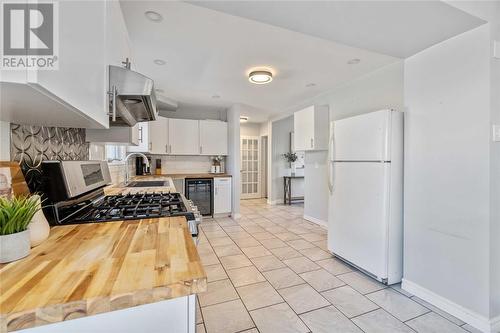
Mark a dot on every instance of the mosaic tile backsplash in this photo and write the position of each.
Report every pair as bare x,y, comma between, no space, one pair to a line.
30,145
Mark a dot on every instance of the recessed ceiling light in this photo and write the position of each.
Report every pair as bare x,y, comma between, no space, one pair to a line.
153,16
215,96
354,61
159,62
309,85
260,77
243,119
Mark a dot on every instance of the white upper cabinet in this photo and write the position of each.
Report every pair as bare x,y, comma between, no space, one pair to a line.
158,136
311,126
213,137
184,137
117,39
114,135
91,36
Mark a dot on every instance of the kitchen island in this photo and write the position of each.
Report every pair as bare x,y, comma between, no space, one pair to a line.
124,276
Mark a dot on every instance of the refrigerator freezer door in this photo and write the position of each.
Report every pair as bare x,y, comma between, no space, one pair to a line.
363,138
358,217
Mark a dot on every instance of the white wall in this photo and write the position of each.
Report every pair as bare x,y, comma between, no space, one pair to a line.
380,89
233,163
4,141
447,175
316,187
249,129
280,144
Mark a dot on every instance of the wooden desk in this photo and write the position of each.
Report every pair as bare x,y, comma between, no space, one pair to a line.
287,190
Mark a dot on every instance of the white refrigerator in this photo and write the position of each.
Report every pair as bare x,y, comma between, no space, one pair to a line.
365,218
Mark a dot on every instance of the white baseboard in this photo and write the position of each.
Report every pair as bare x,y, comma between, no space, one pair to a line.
322,223
495,324
470,317
235,215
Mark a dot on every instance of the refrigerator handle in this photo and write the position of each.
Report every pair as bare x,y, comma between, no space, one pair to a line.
331,148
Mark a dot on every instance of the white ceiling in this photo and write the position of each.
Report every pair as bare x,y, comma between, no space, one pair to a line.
208,52
396,28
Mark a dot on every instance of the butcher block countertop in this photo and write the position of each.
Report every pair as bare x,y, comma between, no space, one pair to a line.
86,269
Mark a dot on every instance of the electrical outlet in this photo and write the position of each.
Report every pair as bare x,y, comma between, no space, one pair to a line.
496,133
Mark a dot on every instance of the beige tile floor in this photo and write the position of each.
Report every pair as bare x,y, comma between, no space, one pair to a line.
270,271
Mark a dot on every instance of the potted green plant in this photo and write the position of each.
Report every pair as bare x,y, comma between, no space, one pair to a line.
15,216
291,157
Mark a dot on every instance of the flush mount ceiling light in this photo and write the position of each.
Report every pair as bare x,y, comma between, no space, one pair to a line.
159,62
310,85
354,61
243,119
260,77
153,16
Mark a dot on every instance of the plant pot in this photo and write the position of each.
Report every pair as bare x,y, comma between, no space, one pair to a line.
14,246
39,227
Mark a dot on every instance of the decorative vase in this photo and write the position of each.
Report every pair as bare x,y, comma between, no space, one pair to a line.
14,246
39,227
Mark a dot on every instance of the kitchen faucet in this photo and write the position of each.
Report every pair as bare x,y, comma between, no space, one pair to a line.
126,164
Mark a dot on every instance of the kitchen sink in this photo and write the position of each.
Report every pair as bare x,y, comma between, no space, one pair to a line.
149,183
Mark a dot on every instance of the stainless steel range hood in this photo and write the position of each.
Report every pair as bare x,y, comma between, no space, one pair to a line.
133,97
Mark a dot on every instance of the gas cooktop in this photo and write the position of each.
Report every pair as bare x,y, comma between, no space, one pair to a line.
133,207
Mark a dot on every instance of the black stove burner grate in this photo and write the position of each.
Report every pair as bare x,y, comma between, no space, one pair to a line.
135,206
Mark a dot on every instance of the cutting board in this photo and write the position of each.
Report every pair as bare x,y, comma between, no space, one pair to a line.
11,173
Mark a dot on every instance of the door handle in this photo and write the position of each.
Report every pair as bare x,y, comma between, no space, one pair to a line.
312,142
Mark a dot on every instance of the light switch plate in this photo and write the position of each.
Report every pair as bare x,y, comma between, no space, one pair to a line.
496,133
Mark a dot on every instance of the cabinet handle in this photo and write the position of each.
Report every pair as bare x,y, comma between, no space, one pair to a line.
166,149
201,150
170,149
312,142
140,134
150,146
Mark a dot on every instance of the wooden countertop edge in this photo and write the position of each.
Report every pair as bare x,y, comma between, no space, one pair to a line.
58,312
82,308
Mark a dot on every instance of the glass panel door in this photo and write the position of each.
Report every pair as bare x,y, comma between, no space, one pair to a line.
250,177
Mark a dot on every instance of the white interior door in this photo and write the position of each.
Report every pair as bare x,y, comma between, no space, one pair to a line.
250,166
358,223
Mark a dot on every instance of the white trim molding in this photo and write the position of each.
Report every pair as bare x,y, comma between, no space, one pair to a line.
322,223
472,318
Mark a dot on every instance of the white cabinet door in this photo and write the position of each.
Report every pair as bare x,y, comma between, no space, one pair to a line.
222,195
184,137
117,40
311,128
142,140
81,80
303,128
158,136
213,137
